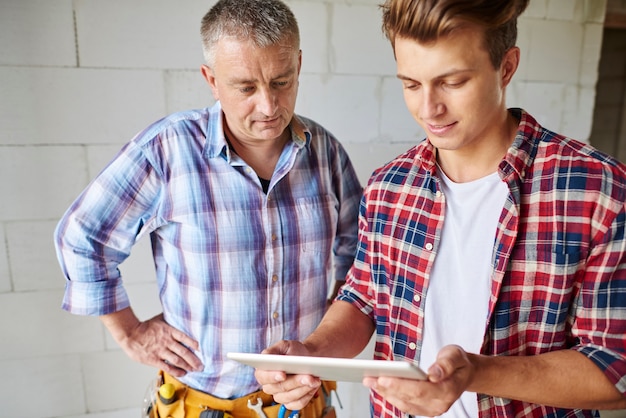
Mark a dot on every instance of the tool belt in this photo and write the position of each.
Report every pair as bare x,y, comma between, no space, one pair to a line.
191,403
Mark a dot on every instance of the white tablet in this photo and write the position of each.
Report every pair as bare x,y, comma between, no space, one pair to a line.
328,368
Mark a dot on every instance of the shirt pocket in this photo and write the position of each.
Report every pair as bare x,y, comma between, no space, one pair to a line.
543,288
317,222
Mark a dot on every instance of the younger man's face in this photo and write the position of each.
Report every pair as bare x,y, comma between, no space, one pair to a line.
453,90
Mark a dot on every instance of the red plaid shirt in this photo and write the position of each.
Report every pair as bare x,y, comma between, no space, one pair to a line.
558,261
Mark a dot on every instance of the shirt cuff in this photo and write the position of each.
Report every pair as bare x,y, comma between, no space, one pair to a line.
95,298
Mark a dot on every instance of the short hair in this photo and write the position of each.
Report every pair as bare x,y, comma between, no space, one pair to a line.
427,20
264,22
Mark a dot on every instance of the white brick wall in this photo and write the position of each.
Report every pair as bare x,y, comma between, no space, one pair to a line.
37,32
78,78
65,105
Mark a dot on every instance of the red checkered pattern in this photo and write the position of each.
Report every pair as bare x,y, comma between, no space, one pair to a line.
558,260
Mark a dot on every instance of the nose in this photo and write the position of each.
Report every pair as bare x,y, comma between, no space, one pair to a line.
432,106
267,101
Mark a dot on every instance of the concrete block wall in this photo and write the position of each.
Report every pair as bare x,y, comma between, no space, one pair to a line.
78,78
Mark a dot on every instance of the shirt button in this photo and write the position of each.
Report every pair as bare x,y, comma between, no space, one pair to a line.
429,246
412,346
417,298
273,237
438,193
274,278
275,315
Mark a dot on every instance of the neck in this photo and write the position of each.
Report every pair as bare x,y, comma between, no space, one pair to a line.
260,155
465,165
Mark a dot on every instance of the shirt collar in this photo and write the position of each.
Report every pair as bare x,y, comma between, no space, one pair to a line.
300,134
519,157
521,154
216,144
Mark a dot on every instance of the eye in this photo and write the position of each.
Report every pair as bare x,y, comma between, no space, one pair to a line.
246,89
281,83
410,85
453,84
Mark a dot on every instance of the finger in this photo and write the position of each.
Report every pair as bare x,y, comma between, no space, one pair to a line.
158,323
436,373
281,347
170,369
268,377
397,387
184,339
449,361
297,382
410,396
430,408
168,353
188,360
177,346
296,399
276,384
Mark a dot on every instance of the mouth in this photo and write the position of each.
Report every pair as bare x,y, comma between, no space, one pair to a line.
439,129
269,120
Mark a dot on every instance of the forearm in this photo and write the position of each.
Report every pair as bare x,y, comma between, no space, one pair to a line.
120,324
564,378
344,332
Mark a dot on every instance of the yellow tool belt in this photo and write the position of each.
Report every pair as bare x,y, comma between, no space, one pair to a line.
191,403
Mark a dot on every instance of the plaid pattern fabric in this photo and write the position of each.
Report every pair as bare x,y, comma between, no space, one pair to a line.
558,261
237,269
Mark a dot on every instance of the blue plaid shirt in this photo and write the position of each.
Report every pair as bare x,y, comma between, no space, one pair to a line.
237,269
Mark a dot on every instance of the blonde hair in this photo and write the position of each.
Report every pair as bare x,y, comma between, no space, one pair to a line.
427,20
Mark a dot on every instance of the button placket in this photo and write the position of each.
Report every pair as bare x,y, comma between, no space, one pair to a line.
274,260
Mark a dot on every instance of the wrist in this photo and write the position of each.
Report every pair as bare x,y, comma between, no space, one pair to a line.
121,324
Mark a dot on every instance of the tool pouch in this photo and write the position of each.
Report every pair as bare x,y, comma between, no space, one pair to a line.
189,403
175,409
329,412
211,414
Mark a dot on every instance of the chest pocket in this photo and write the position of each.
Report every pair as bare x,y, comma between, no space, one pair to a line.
541,290
317,219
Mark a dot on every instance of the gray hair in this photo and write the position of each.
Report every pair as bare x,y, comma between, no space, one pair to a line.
264,22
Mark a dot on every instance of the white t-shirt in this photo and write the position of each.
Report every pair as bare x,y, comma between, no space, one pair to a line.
457,298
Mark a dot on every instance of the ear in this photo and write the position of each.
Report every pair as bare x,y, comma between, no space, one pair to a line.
509,65
207,73
299,61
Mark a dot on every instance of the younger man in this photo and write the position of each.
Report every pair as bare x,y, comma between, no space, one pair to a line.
492,254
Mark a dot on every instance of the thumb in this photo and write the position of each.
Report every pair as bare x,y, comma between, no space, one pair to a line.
449,359
435,373
281,347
